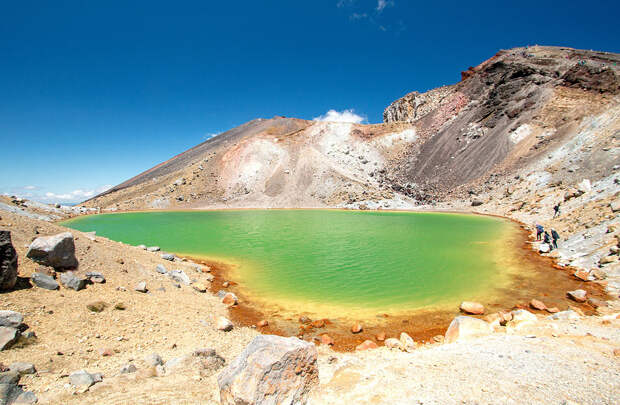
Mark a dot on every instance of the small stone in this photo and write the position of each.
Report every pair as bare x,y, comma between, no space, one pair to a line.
229,299
179,276
70,280
119,306
262,323
200,287
367,344
105,352
143,247
153,359
609,259
161,269
225,284
473,308
128,368
153,249
406,342
327,340
141,287
97,306
582,275
319,323
596,303
95,277
536,304
168,256
392,343
380,336
82,378
223,324
553,310
577,295
23,368
564,315
615,205
44,281
356,327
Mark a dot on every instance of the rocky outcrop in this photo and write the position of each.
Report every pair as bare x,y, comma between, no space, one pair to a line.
8,262
271,370
11,392
57,251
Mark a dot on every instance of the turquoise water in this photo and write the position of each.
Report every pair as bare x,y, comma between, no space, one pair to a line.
328,258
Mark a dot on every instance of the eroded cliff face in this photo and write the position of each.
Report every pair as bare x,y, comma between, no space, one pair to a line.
506,115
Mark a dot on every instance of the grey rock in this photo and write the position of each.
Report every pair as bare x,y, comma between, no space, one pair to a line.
82,378
11,319
143,247
95,277
141,287
70,280
128,368
8,262
161,269
9,377
271,370
153,249
8,337
577,295
564,315
544,248
167,256
153,359
57,251
44,281
23,368
476,203
179,276
26,397
205,360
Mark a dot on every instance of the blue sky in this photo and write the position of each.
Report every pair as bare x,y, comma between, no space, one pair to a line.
92,93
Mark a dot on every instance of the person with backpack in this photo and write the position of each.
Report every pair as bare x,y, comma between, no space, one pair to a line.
556,210
539,231
555,236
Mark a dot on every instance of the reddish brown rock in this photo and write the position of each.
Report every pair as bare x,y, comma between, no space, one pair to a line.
367,344
320,323
229,299
553,310
262,323
539,305
326,340
577,295
356,328
472,308
105,352
380,336
582,275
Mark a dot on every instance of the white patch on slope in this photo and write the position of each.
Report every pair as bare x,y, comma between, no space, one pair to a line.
396,138
520,133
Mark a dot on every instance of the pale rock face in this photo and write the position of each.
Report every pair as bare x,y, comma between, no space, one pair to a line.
271,370
414,105
521,318
57,251
520,133
464,328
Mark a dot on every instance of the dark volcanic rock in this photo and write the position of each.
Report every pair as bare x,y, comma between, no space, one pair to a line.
8,262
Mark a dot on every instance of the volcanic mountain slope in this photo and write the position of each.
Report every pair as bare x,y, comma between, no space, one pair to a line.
505,115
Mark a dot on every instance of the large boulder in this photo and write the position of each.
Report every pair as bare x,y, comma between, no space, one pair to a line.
465,328
271,370
57,251
8,262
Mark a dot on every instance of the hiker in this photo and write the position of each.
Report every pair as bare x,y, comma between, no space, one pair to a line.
556,209
555,237
547,240
539,231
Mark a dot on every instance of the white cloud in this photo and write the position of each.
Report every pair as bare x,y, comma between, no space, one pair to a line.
75,195
382,4
344,3
358,16
30,188
341,116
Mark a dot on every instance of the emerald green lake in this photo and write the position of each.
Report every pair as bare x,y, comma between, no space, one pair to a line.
343,260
